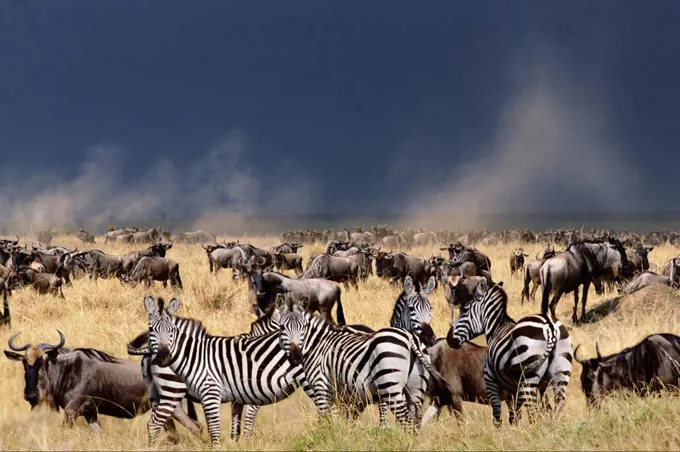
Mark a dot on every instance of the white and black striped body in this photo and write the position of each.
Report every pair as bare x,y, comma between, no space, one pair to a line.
240,369
357,369
522,357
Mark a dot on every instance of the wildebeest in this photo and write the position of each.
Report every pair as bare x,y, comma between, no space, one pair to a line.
150,269
288,247
532,274
336,245
85,236
517,261
190,238
463,369
220,256
150,236
5,317
579,265
133,257
322,294
425,239
650,278
42,282
6,247
112,236
339,269
638,258
84,382
393,242
98,264
458,290
288,261
396,266
649,366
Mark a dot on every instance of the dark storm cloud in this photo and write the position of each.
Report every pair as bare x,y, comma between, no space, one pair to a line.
208,108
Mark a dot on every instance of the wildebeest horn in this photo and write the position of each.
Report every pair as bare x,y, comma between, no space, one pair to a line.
46,347
10,342
597,350
17,240
580,361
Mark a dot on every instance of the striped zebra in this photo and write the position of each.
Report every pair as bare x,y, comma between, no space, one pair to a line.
239,369
522,357
358,369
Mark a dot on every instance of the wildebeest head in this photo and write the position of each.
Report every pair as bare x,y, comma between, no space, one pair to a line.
160,249
36,362
600,376
675,272
162,329
518,256
212,247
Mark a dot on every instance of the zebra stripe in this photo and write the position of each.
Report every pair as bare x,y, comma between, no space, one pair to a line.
522,357
241,369
357,369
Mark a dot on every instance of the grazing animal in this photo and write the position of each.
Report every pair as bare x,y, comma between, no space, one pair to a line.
288,248
41,282
647,367
532,274
133,257
517,261
399,265
101,265
220,256
151,269
339,269
190,238
650,278
356,368
460,253
85,236
84,382
262,376
579,265
322,294
638,258
523,357
287,261
5,317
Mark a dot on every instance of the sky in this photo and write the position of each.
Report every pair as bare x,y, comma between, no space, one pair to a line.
212,109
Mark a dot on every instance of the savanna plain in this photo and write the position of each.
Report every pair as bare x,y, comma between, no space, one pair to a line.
105,315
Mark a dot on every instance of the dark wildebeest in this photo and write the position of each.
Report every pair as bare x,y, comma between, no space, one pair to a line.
579,265
463,369
151,269
638,258
396,266
42,282
458,290
150,236
339,269
288,247
85,382
650,366
5,317
650,278
112,236
220,256
288,261
155,250
6,247
340,246
532,274
517,261
85,236
322,294
670,265
98,264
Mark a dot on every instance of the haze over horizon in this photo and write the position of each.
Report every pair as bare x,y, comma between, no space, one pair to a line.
218,110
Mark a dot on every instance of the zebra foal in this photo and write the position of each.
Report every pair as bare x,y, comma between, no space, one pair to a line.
522,357
388,366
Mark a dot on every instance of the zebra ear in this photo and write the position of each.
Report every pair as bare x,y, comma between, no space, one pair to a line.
150,304
430,285
280,302
409,287
173,306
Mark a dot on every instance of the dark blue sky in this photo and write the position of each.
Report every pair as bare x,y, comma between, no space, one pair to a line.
352,105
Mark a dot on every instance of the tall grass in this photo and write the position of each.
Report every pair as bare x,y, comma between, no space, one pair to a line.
106,315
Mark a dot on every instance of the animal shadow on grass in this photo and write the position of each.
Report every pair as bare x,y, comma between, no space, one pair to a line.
601,311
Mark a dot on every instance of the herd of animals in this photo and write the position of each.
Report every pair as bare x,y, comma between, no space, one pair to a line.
296,343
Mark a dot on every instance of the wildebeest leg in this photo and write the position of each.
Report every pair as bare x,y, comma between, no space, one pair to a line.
75,408
556,298
90,414
574,317
165,284
534,288
193,426
236,410
584,300
178,280
147,283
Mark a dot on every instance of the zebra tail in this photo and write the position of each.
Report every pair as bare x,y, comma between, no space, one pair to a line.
340,314
437,386
547,288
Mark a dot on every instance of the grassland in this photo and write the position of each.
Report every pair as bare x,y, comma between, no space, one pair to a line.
105,315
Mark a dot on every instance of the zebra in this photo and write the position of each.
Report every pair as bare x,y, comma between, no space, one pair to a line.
522,357
241,369
358,369
413,312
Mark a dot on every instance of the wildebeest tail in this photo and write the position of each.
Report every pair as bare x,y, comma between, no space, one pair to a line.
436,385
340,314
547,288
525,289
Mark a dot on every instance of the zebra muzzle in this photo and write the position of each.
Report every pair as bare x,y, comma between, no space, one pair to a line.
162,358
295,356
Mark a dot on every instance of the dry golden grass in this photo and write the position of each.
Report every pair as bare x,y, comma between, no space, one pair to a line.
106,316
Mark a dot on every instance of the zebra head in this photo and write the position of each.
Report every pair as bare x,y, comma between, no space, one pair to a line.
162,328
469,323
413,311
293,325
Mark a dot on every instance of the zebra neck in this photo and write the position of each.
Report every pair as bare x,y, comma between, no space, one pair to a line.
496,323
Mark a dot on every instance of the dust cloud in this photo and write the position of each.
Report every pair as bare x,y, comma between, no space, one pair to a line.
552,151
217,193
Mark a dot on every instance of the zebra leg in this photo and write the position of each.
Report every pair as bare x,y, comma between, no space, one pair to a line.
249,420
160,416
211,408
493,391
397,403
528,395
383,408
236,410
